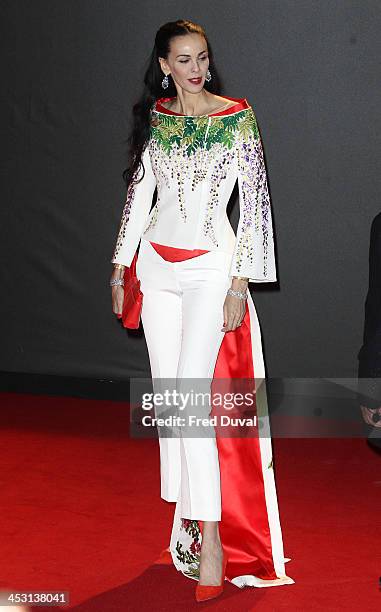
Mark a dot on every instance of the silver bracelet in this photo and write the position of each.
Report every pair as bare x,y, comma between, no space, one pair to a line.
116,281
239,294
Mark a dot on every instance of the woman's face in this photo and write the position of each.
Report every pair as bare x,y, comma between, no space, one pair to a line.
187,60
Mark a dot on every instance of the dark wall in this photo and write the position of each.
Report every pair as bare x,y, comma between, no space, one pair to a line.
70,73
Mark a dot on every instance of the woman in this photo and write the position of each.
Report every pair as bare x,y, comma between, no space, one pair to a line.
198,318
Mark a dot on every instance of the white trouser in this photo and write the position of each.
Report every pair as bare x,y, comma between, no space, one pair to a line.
182,317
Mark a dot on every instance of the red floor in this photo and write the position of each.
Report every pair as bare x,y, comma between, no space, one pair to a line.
81,512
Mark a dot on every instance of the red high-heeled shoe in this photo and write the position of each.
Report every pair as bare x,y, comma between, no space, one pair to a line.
206,591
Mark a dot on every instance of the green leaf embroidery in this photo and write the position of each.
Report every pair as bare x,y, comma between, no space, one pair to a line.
248,125
193,132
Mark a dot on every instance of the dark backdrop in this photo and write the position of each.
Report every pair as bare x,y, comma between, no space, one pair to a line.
70,71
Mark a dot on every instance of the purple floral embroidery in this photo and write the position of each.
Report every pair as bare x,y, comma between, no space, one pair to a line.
126,214
222,166
255,226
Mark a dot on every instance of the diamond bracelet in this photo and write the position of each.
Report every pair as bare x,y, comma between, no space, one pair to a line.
239,294
116,281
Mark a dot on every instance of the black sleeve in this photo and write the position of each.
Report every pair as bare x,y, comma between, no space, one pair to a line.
373,298
369,355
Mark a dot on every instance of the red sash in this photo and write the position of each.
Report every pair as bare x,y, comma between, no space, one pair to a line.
174,254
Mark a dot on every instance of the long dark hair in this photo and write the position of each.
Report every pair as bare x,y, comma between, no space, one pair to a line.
152,90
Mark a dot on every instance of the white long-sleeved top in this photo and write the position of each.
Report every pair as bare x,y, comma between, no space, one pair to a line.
195,161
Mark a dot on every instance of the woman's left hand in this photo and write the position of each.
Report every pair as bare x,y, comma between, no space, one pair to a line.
234,307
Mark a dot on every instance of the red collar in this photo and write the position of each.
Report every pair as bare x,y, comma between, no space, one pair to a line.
242,103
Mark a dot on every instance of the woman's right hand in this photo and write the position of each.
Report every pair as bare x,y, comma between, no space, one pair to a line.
117,293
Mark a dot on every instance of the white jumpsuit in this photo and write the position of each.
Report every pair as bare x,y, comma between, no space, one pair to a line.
194,162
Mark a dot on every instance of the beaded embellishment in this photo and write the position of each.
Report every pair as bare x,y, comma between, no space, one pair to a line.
187,150
191,148
126,213
256,208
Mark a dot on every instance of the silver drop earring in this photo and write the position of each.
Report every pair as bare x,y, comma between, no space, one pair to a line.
165,82
208,76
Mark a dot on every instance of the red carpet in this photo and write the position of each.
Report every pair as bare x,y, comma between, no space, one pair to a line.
77,495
